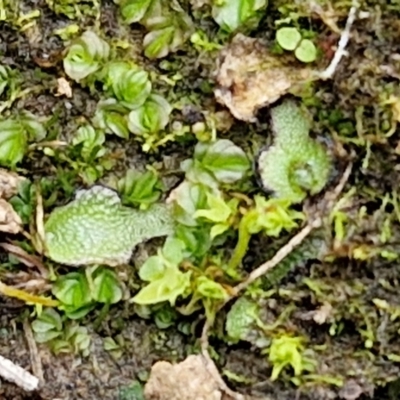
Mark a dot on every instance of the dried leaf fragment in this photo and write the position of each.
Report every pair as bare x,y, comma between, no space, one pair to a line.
63,88
249,77
10,221
9,183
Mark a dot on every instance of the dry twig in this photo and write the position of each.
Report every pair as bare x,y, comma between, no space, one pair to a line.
344,39
36,362
16,374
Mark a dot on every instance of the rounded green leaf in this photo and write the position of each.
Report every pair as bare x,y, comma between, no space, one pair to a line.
106,287
152,269
134,10
226,161
112,118
151,117
72,290
231,15
131,87
13,142
288,38
306,52
85,55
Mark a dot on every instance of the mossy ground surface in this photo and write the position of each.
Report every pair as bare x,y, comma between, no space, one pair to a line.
351,107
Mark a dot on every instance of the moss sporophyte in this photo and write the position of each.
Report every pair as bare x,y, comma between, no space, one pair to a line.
95,228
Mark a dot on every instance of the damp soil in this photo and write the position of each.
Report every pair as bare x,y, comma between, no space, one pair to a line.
368,73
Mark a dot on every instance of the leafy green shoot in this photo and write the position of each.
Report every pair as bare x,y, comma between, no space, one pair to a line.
129,83
288,351
167,24
268,216
78,292
111,117
166,281
140,189
151,117
85,56
234,15
63,337
15,134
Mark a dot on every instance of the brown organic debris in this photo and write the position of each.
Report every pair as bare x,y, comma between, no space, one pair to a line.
250,77
9,183
10,221
188,380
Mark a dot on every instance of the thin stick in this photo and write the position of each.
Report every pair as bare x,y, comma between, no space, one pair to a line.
329,200
16,374
278,257
36,362
211,367
344,40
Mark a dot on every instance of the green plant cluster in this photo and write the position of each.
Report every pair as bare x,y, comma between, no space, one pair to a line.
168,25
192,266
234,15
129,104
75,9
79,292
290,39
62,336
15,135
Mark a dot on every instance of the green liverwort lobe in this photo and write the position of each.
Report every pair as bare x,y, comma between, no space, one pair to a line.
295,164
95,228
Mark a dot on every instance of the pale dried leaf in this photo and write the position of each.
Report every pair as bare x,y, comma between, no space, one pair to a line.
10,221
249,77
9,183
63,88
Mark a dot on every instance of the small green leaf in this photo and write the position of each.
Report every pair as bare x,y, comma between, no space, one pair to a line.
168,288
134,10
13,142
288,38
173,250
106,286
49,319
72,290
226,161
112,118
306,52
151,117
140,188
85,56
210,289
218,211
92,142
156,43
272,216
130,84
44,337
188,198
231,15
152,269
